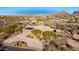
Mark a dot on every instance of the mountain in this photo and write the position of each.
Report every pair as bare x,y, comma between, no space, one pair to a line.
76,12
62,14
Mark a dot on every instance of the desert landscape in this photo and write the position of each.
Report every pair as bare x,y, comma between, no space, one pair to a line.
44,32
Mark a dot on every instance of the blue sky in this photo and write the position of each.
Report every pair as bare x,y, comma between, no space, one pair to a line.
35,10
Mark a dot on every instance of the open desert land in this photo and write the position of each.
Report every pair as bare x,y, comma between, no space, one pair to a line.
50,32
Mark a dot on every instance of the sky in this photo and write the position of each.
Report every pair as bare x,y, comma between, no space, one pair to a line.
35,10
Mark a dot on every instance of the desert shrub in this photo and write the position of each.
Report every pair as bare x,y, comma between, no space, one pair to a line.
37,33
48,34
